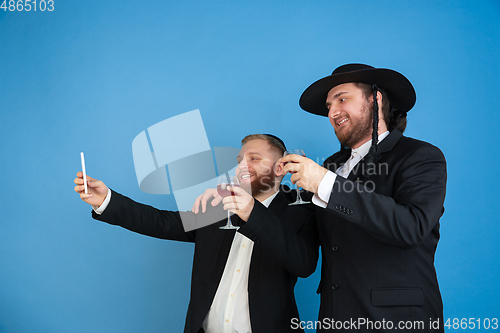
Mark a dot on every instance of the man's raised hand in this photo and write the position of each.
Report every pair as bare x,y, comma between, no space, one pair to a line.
203,199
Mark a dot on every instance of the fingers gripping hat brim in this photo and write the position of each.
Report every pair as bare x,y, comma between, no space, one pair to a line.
397,86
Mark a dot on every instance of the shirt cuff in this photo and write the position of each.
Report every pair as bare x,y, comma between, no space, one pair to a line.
99,210
324,190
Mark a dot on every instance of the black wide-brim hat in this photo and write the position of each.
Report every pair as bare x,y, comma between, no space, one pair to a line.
397,86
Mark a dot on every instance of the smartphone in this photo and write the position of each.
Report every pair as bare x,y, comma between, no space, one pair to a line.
84,172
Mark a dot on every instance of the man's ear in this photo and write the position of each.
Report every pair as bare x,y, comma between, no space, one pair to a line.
379,100
380,106
278,169
383,123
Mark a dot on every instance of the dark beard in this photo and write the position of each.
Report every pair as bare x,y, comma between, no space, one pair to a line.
361,128
262,183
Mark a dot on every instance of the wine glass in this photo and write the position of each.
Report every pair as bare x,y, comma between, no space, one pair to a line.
222,183
299,200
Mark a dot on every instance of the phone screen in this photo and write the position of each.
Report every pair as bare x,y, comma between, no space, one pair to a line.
84,172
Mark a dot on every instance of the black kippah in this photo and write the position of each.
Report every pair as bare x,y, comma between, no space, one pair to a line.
277,139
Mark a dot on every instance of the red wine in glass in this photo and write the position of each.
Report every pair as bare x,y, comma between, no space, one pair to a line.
224,192
222,183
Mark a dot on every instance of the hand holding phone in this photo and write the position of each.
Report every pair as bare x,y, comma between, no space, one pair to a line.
92,191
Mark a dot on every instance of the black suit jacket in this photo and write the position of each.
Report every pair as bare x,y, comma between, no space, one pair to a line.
285,247
379,234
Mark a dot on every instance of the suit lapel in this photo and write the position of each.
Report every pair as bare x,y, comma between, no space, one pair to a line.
225,239
254,271
390,141
385,146
279,203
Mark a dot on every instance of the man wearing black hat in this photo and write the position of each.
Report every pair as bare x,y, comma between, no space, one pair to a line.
378,204
242,281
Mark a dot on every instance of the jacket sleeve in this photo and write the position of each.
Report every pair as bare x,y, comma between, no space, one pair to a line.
145,220
295,245
406,217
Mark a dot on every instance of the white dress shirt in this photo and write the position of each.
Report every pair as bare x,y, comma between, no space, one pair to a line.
325,187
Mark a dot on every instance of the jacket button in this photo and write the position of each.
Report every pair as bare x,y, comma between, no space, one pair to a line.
335,249
335,287
337,207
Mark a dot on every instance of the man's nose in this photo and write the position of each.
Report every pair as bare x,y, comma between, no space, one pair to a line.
243,163
333,111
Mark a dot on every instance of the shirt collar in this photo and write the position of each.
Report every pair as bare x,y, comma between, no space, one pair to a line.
365,147
268,201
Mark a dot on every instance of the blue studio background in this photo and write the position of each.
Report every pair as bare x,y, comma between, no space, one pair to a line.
91,75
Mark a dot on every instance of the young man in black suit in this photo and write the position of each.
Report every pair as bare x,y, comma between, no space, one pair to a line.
378,204
242,281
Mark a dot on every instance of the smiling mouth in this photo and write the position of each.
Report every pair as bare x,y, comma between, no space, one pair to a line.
245,176
342,122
